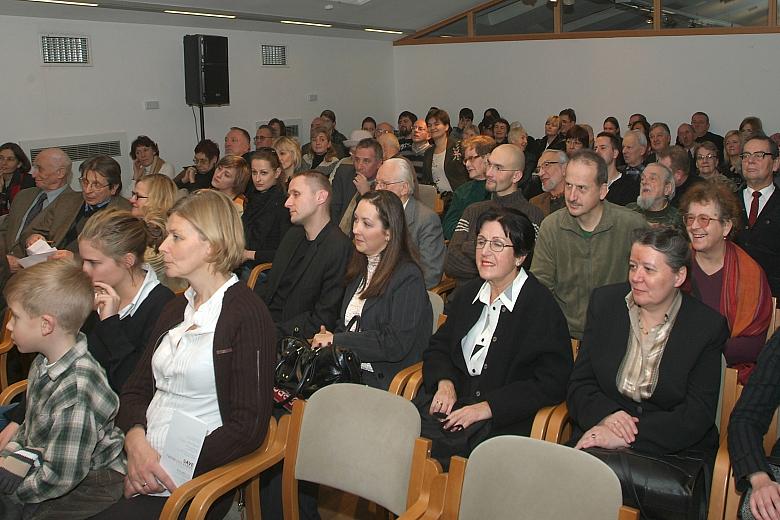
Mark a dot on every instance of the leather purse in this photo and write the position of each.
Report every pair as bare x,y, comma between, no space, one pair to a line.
663,487
303,369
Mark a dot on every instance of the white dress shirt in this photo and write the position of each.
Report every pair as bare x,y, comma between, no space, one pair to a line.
183,368
766,192
482,334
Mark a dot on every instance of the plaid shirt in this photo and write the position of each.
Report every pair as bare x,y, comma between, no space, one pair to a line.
70,418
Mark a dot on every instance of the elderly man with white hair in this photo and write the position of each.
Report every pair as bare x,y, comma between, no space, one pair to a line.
397,175
634,150
656,189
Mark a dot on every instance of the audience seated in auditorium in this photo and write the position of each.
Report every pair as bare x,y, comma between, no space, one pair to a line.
386,316
656,189
52,172
337,138
222,337
66,460
264,137
552,166
586,246
305,286
724,276
504,172
504,337
146,159
265,218
622,189
237,142
424,226
415,154
151,199
647,376
322,155
101,183
352,181
475,157
760,205
443,162
201,173
231,177
15,174
677,159
289,152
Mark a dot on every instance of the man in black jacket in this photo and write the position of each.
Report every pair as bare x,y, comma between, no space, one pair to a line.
305,286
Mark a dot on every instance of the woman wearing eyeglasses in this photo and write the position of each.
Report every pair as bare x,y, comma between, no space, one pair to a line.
723,275
200,174
101,183
504,351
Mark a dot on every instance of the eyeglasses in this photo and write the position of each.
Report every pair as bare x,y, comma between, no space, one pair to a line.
466,160
702,220
755,155
87,185
707,157
134,194
195,160
499,168
547,164
496,245
382,184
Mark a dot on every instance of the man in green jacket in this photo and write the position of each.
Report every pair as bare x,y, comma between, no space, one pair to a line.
587,245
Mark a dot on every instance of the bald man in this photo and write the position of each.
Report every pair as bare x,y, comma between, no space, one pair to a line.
52,172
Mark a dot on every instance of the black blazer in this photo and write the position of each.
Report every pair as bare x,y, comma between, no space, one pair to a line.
343,191
315,296
680,415
453,164
540,145
762,241
752,415
394,328
527,366
265,221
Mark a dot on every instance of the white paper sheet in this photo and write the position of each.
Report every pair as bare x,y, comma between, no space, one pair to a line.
182,447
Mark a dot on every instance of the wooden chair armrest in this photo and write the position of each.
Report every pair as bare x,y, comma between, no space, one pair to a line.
255,274
559,427
720,483
431,472
445,287
413,384
187,491
398,383
628,513
12,391
541,421
243,470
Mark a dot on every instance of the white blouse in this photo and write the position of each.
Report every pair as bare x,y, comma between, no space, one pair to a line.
183,368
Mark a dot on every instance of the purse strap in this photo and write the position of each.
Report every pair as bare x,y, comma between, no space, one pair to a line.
354,322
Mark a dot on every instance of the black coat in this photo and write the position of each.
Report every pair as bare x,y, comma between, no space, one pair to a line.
527,366
680,415
315,297
265,221
762,241
394,327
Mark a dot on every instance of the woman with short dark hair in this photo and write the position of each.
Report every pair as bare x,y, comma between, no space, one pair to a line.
146,159
504,351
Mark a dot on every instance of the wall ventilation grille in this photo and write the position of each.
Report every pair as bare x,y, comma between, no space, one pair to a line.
274,55
65,50
83,151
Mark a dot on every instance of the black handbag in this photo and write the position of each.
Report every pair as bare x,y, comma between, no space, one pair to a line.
662,487
303,369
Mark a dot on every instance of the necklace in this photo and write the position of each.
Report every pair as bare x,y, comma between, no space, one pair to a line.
647,331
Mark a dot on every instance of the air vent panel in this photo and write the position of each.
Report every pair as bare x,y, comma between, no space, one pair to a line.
61,49
274,55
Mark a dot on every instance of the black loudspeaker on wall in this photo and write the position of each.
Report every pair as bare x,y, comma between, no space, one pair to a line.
206,70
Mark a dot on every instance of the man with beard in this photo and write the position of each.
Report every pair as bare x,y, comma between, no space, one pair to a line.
552,165
656,188
405,126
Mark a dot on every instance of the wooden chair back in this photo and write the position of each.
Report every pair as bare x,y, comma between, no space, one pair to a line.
255,274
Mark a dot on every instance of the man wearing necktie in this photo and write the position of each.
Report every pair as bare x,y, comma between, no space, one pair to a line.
51,171
760,234
101,182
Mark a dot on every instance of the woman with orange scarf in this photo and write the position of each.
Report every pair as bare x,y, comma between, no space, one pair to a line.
723,275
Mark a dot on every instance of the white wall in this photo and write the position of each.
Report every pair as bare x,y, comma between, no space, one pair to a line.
134,63
666,78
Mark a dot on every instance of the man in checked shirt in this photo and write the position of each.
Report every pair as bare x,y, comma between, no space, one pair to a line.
66,459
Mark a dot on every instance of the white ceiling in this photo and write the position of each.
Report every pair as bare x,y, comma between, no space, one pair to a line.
261,15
